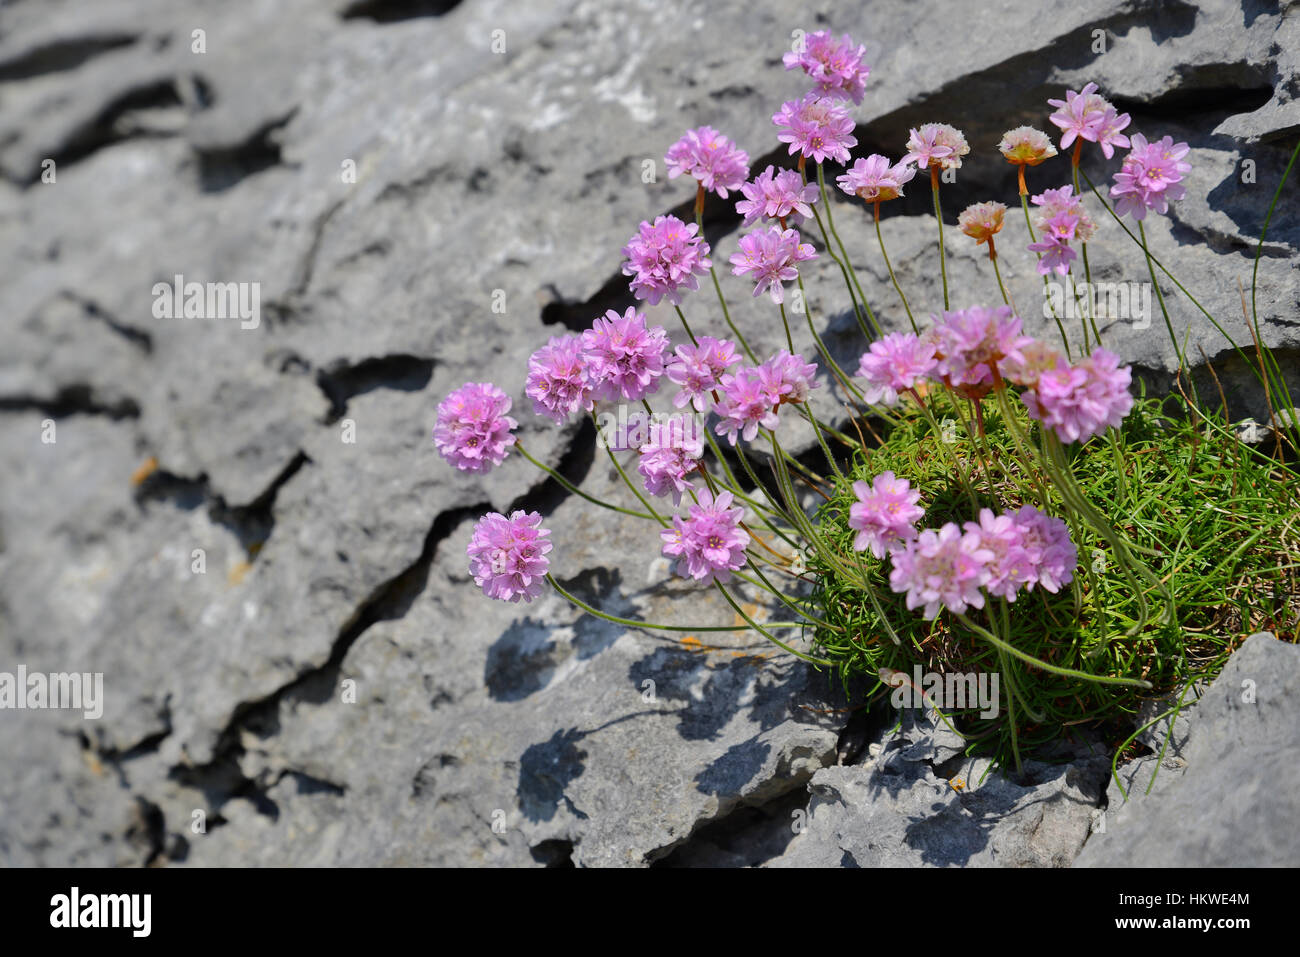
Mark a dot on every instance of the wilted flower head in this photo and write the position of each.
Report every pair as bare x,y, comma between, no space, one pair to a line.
973,342
557,378
473,430
1026,146
1151,176
895,364
875,180
834,65
1080,401
624,358
698,369
665,258
941,569
507,556
817,127
675,446
711,158
788,378
772,255
709,544
777,195
936,144
981,221
885,513
746,403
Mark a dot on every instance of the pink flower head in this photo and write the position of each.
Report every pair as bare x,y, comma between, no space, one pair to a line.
972,343
711,158
1011,565
507,556
624,358
1080,401
1151,176
772,255
982,221
835,65
698,368
895,364
875,180
788,378
941,569
1063,212
1035,358
1055,252
1026,146
746,404
885,514
675,447
777,195
473,430
1046,543
817,127
1088,116
557,379
936,144
709,544
665,258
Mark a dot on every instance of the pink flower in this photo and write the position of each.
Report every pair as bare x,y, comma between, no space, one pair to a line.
675,447
972,343
1109,133
1011,565
709,544
936,144
885,514
777,195
507,556
697,369
895,364
817,127
624,358
1046,543
941,569
1088,116
711,158
1063,211
875,180
1151,176
1036,358
473,430
1054,250
1080,401
772,255
665,258
788,378
835,65
746,404
557,379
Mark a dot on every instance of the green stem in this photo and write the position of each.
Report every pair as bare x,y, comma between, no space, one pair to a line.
830,221
894,279
632,623
938,214
570,487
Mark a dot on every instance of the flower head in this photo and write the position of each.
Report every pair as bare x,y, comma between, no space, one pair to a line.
1011,565
875,180
936,144
777,195
1035,358
709,543
507,556
885,513
1080,401
1061,219
941,569
473,430
675,446
698,368
715,161
665,258
834,65
1046,543
973,342
817,127
772,255
624,358
746,403
982,221
895,364
1026,146
788,378
1151,176
557,380
1086,115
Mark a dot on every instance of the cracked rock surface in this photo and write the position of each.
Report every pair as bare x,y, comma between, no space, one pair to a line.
249,533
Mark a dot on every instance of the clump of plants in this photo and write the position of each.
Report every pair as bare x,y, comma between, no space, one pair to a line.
995,504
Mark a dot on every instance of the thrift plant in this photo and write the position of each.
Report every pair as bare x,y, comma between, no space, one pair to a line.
996,503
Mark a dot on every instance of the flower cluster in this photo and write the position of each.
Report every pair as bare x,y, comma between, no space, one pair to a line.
772,255
777,195
1082,400
885,514
1151,175
709,544
663,258
972,343
816,127
624,359
936,145
473,430
1084,115
557,381
982,221
751,396
896,364
875,180
835,66
1061,220
699,368
714,160
675,447
507,556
